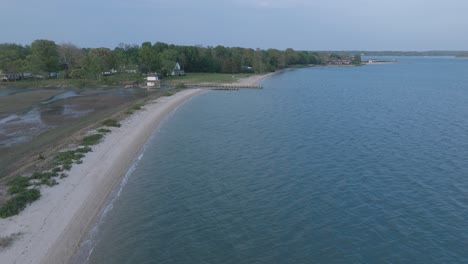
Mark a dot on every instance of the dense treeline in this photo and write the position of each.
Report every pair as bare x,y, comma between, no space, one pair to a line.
404,53
44,57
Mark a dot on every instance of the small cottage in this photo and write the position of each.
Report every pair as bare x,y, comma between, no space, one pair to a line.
178,70
152,81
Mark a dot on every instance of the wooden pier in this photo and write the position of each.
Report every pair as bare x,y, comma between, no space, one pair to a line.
222,86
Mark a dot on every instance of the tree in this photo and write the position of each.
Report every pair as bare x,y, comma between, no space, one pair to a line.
47,52
357,59
99,60
71,57
12,57
291,57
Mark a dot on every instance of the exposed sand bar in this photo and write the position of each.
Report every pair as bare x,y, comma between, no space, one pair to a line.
53,227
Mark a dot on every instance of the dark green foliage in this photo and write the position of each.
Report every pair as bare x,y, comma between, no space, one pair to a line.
67,158
83,150
103,130
67,167
50,182
180,86
136,106
63,175
57,169
357,59
19,202
44,177
111,123
18,184
92,139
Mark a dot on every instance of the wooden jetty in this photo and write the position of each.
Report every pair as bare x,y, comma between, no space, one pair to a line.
223,86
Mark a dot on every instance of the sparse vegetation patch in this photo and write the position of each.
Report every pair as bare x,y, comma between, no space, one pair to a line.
111,123
8,240
92,139
18,202
103,130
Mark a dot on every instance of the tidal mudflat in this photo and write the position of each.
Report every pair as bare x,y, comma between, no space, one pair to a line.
32,119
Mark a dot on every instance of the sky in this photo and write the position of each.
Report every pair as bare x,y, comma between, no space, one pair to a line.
409,25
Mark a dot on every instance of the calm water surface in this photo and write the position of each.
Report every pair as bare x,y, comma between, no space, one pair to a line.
324,165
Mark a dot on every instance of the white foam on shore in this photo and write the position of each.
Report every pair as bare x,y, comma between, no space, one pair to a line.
87,246
89,243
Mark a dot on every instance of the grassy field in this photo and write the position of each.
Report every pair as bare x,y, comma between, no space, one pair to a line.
205,77
120,80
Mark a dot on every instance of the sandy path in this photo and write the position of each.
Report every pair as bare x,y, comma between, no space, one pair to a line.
255,79
53,226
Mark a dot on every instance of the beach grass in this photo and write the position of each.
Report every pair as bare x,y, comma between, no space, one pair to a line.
18,202
7,241
92,139
111,123
103,130
137,106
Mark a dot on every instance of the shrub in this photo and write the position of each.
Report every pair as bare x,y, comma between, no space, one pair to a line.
43,176
49,182
136,106
67,167
65,157
19,202
18,184
111,123
180,86
169,93
77,74
92,140
57,169
103,130
83,150
6,241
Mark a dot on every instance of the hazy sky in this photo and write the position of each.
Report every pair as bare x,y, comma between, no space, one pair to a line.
298,24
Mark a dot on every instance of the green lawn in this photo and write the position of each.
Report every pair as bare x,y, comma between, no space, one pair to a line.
205,77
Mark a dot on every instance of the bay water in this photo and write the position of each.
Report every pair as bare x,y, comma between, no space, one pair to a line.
324,165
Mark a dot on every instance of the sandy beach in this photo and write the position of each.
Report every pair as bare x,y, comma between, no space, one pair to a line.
52,227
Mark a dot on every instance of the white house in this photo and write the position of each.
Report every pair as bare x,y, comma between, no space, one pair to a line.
177,70
153,81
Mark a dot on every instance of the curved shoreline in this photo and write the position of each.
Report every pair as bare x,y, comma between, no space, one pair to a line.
53,227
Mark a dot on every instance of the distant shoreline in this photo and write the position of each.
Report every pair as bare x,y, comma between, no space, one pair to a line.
377,62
